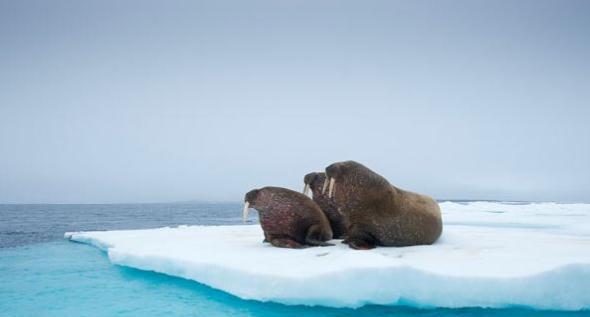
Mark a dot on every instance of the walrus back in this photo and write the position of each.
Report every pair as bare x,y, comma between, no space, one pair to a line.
292,213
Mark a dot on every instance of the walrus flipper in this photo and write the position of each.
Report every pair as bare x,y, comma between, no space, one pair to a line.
318,243
359,244
286,242
266,239
359,239
317,237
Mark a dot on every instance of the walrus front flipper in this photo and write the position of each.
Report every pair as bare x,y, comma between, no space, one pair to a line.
286,242
360,240
359,244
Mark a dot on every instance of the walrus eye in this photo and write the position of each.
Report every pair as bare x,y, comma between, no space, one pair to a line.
306,190
246,211
332,184
325,185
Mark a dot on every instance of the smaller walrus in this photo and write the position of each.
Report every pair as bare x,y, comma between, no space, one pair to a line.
289,219
317,183
378,213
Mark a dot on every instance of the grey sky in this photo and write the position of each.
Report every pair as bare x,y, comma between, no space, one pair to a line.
145,101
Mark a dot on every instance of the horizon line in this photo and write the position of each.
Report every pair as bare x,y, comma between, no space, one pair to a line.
458,200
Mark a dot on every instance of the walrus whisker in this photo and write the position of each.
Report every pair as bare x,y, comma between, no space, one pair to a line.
306,190
325,185
331,190
246,211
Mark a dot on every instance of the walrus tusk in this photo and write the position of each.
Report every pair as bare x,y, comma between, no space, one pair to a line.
246,210
306,190
325,185
331,190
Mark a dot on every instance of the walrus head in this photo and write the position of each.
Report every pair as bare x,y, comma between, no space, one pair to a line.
344,172
339,168
335,172
314,181
353,177
249,202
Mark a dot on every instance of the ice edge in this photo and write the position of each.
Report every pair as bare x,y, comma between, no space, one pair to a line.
565,287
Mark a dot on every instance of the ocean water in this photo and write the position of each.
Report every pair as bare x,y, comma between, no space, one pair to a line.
41,274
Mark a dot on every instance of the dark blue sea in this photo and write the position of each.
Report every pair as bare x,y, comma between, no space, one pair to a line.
41,274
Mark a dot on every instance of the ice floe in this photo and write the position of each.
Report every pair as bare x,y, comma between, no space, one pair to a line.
490,255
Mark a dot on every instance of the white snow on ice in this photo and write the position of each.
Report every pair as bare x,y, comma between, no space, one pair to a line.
490,255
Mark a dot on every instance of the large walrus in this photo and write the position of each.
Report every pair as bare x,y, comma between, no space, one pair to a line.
378,213
289,219
315,182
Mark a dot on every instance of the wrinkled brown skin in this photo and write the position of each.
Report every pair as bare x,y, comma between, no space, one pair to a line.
289,219
379,214
328,205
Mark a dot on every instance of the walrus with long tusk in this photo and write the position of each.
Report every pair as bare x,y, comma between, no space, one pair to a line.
315,183
379,214
289,219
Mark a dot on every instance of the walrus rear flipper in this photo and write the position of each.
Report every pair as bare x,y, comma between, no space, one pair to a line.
317,236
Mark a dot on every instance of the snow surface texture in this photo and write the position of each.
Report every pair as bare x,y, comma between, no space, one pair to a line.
490,255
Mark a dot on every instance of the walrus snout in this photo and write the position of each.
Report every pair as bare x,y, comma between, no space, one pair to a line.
249,201
329,183
333,171
311,181
307,181
310,178
340,168
336,171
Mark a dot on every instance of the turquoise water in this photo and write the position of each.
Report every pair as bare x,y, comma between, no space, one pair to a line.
41,274
68,279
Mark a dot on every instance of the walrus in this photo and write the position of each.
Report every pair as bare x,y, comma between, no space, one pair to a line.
378,213
315,181
289,219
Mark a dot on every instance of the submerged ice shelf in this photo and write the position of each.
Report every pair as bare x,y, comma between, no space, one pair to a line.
490,255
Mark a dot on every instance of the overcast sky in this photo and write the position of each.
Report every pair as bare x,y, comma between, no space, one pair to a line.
156,101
